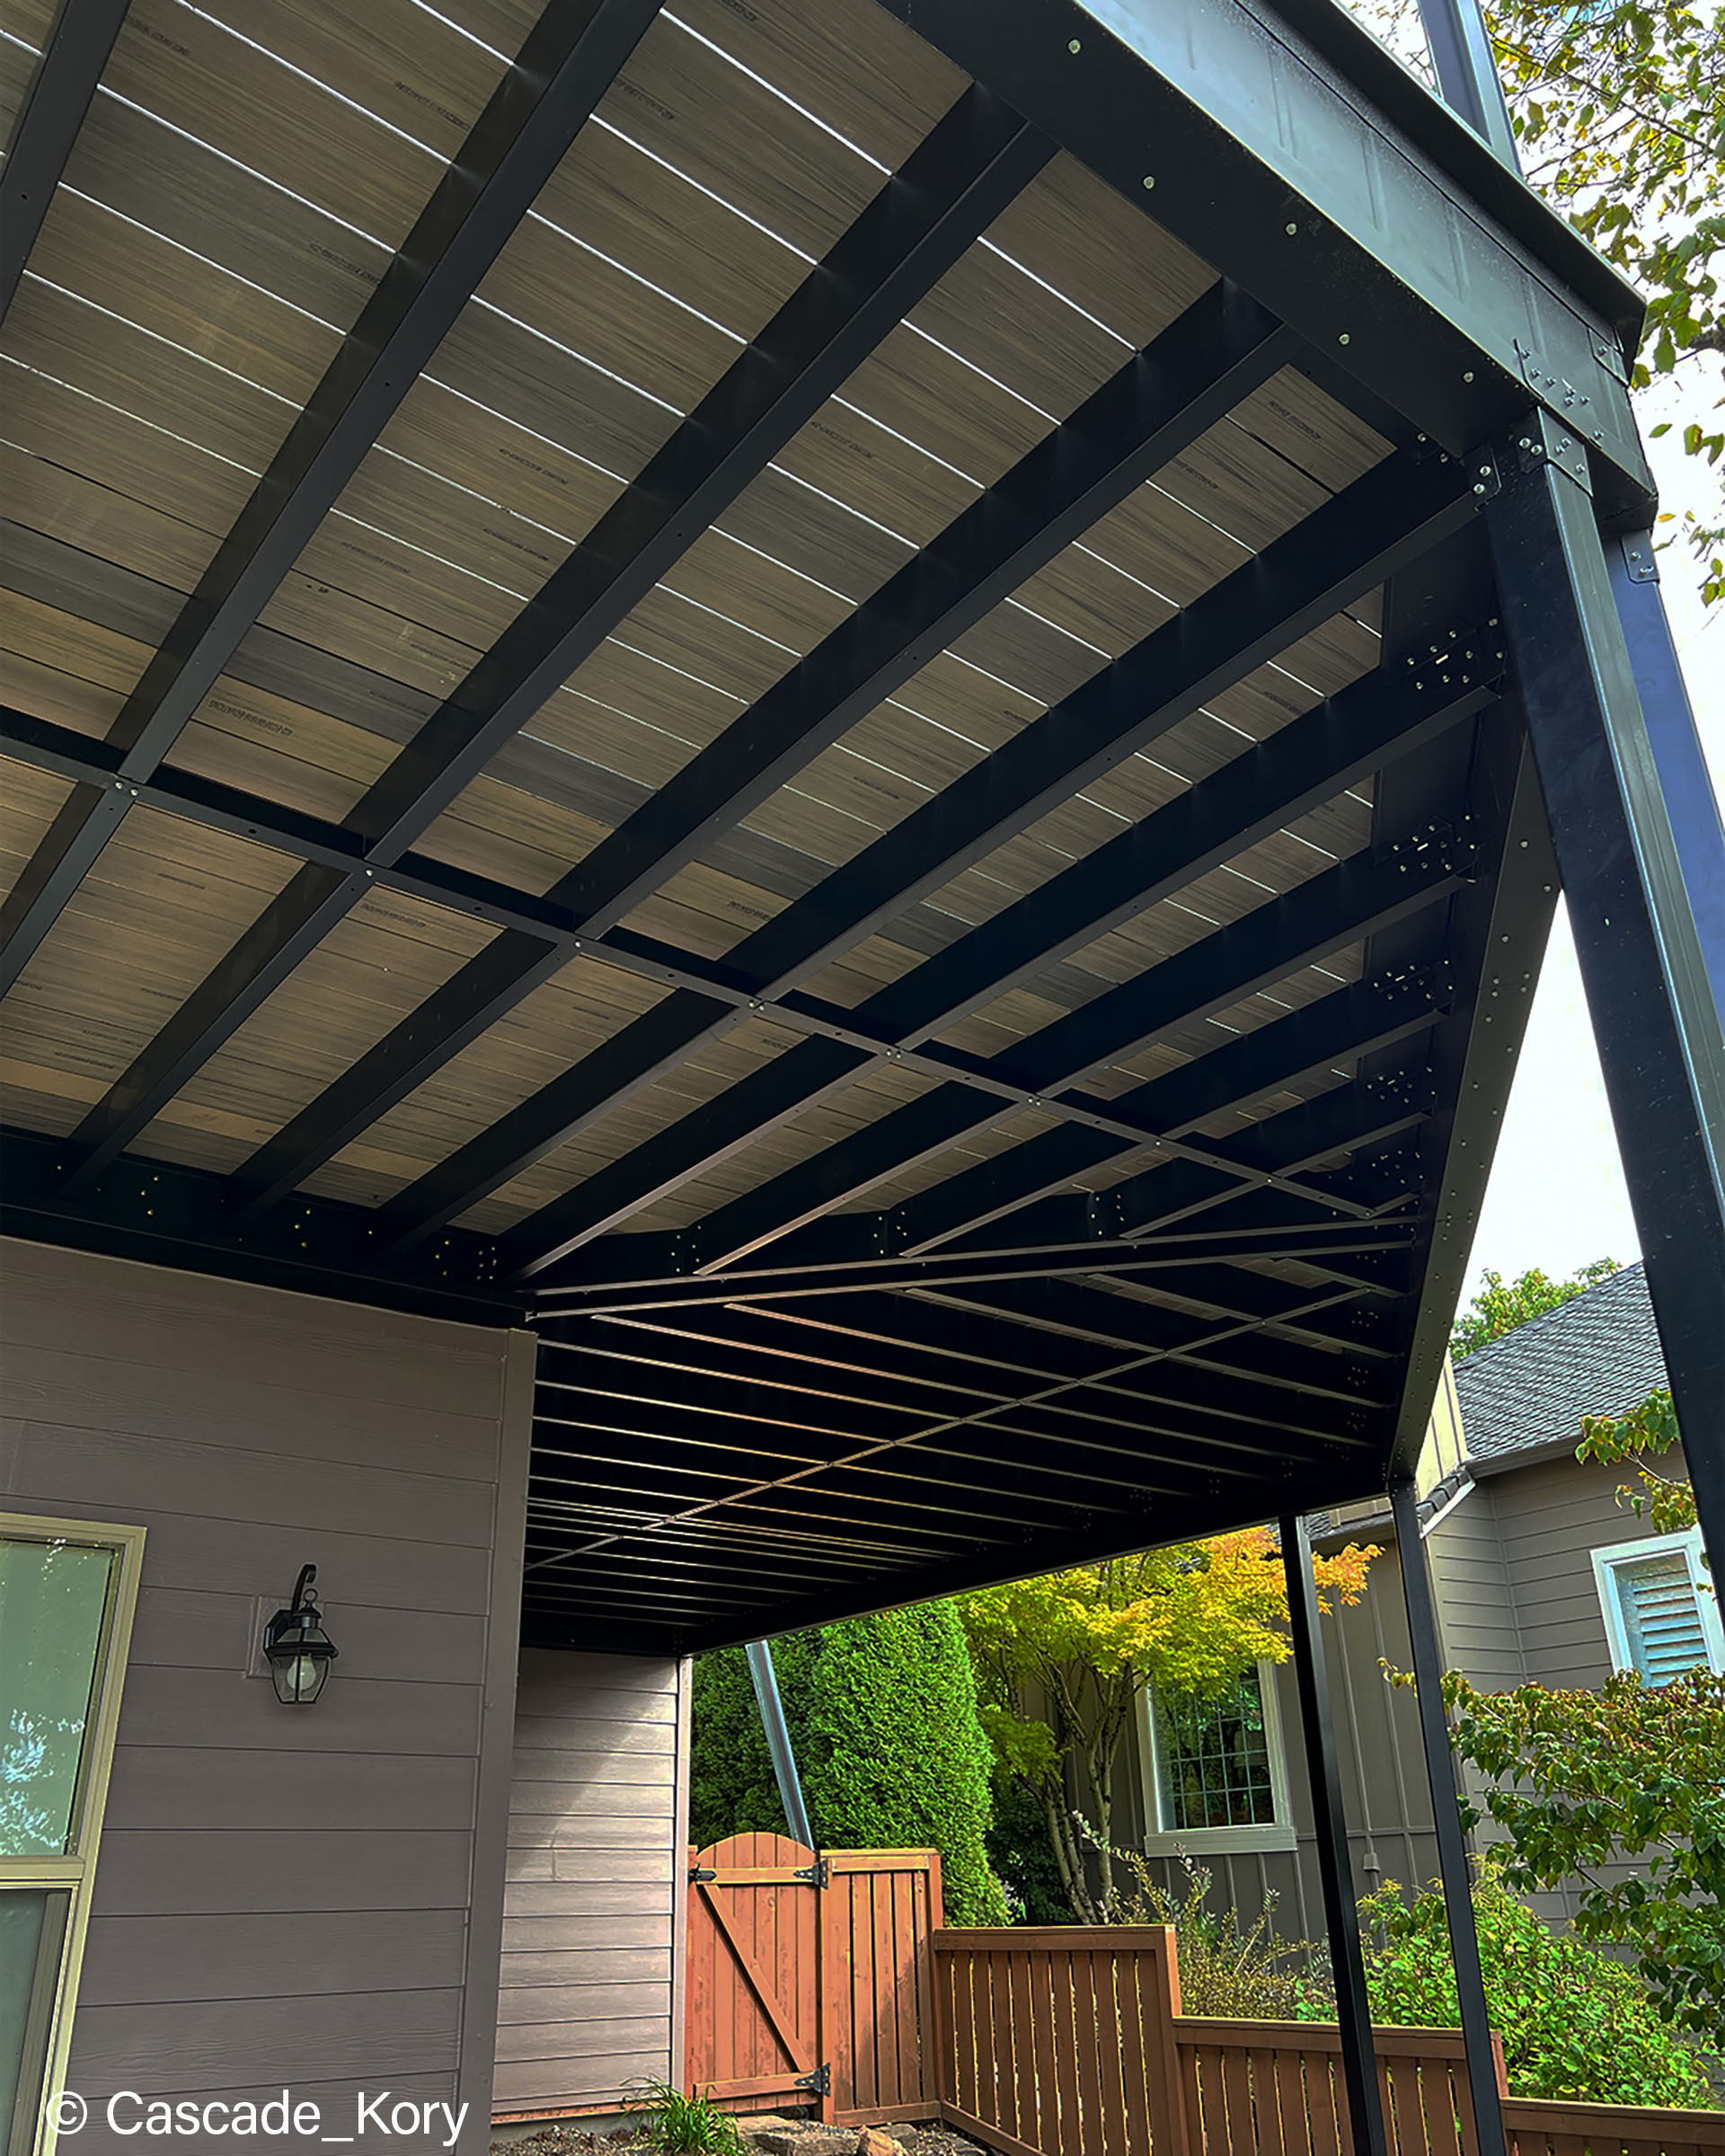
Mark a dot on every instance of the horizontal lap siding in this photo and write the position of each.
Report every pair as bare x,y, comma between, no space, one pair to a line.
283,1896
593,1905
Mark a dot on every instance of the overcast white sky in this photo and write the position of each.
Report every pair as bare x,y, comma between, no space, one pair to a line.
1556,1197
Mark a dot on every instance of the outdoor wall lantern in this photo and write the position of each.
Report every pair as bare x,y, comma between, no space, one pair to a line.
296,1646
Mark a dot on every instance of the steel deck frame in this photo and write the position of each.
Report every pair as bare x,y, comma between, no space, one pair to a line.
804,1405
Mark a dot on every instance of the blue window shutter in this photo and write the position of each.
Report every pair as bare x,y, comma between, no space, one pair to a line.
1662,1622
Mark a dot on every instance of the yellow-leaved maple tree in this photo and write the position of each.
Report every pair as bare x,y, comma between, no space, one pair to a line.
1062,1661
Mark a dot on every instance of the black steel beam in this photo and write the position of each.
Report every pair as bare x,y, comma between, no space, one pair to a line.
951,187
564,67
1370,1014
1120,1533
1391,515
1263,947
162,1214
1335,1868
1649,988
214,806
61,87
1266,146
669,1287
1145,414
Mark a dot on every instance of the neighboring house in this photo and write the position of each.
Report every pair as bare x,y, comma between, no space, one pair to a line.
1539,1575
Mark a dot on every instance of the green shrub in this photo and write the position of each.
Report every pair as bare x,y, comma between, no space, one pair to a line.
1229,1970
731,1785
881,1714
896,1755
1574,2023
683,2125
1021,1852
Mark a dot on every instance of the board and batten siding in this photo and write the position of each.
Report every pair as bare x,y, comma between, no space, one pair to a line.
300,1897
1385,1793
598,1871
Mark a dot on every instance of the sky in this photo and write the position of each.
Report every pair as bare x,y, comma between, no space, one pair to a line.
1556,1197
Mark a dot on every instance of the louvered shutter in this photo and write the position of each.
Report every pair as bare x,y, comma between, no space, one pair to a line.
1662,1622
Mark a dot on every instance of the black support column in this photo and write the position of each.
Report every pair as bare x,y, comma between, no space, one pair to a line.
1604,768
1452,1852
1341,1918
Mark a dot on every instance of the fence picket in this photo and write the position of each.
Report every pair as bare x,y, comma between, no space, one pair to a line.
1056,2040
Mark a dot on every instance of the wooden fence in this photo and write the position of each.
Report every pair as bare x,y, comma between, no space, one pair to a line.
1060,2042
1070,2042
826,1984
1274,2088
1536,2128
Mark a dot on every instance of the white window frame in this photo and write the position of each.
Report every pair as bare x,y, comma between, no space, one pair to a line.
75,1872
1604,1563
1277,1834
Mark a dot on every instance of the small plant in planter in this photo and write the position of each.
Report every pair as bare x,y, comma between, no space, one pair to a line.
683,2125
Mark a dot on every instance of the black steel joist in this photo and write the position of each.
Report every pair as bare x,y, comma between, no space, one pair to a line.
795,1405
1156,405
568,62
1392,515
951,187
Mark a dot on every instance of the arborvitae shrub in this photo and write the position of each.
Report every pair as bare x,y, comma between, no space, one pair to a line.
882,1717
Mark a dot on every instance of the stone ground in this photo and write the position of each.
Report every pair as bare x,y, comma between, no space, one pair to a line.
761,2136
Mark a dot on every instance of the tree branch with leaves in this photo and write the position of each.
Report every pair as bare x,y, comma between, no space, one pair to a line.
1063,1661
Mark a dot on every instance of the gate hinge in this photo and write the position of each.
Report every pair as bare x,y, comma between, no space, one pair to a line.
698,1873
817,1874
820,2082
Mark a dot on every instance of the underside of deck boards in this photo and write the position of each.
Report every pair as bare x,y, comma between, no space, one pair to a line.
813,690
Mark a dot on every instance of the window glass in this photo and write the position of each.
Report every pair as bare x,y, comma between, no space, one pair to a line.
1214,1757
52,1599
32,1929
1661,1614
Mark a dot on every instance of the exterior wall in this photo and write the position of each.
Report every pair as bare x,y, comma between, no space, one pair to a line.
1478,1631
1551,1516
597,1867
308,1897
1517,1603
1383,1783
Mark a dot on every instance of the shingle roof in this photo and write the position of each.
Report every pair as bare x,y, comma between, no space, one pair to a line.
1597,1354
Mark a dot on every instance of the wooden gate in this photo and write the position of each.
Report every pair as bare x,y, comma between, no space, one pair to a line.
808,1982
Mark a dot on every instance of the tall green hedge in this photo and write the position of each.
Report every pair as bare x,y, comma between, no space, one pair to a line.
882,1717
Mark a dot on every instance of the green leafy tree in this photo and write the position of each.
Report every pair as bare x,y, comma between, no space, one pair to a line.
1502,1306
882,1717
1622,1791
1063,1660
1575,2023
1665,1502
1618,107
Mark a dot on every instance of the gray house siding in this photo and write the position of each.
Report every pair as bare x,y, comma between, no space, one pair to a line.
1384,1787
597,1866
307,1897
1513,1581
1553,1517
